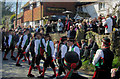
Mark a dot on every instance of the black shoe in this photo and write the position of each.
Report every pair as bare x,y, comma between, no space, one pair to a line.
5,59
35,68
12,57
40,72
53,76
40,76
30,75
29,63
19,65
24,60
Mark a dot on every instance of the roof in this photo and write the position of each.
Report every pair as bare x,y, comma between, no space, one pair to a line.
83,14
83,3
26,5
20,15
88,0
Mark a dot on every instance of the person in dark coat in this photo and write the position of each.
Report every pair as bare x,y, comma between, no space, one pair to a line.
71,33
90,50
103,60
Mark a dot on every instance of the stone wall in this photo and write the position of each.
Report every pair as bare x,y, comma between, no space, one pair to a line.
57,36
114,38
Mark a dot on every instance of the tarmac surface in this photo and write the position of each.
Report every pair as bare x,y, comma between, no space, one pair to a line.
9,70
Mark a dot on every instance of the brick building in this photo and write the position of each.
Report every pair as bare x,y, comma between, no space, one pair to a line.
34,12
20,19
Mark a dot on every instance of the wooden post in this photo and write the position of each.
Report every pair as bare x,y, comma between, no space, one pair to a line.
16,14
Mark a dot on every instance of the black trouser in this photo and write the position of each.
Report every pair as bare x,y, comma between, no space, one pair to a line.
86,53
21,51
61,69
11,48
36,60
48,62
74,76
3,47
102,74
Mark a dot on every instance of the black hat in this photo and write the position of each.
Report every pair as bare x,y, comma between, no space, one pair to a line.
64,38
71,39
21,33
70,58
106,41
82,40
47,35
27,29
10,30
71,61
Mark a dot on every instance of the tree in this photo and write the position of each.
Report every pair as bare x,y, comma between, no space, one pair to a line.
116,8
12,18
6,8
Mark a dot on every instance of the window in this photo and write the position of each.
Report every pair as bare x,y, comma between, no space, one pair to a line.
37,22
79,9
101,6
34,5
27,8
37,4
31,6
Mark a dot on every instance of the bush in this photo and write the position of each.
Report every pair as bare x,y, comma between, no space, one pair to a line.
12,18
87,67
116,62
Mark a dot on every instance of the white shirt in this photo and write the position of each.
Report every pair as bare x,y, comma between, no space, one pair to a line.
98,55
43,41
63,50
55,51
109,23
76,49
19,41
37,44
9,40
24,41
28,47
60,26
51,44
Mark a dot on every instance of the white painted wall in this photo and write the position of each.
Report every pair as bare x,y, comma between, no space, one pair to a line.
0,12
41,22
93,9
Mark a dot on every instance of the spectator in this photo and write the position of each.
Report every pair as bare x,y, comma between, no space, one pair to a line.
94,26
82,49
108,25
90,50
79,33
114,21
90,27
71,33
36,28
48,27
54,24
67,24
60,26
84,24
100,26
119,23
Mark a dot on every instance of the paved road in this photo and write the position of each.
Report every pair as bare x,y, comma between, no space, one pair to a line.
9,69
